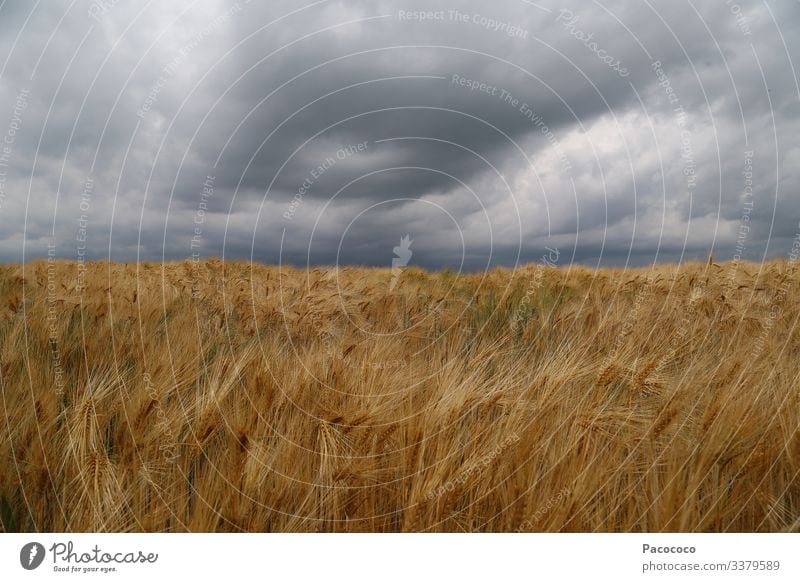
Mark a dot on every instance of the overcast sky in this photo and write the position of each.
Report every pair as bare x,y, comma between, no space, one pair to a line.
323,132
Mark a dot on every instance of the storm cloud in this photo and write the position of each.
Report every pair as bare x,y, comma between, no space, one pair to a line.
323,133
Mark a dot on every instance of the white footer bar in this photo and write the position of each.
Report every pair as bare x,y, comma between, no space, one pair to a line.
386,557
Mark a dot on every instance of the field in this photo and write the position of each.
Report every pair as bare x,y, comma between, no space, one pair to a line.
224,396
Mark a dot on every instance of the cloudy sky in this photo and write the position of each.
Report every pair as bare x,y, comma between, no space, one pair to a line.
321,132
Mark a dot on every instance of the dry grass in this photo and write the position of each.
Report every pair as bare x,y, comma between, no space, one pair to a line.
226,397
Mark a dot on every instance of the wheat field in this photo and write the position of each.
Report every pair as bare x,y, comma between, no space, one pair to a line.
227,396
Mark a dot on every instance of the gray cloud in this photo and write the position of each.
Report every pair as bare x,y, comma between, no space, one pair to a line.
485,135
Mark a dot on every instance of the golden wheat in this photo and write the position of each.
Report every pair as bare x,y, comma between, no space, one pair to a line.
218,396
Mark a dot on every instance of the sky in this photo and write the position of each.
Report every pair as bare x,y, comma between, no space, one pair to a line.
488,133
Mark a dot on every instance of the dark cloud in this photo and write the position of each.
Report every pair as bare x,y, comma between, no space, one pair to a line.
330,130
